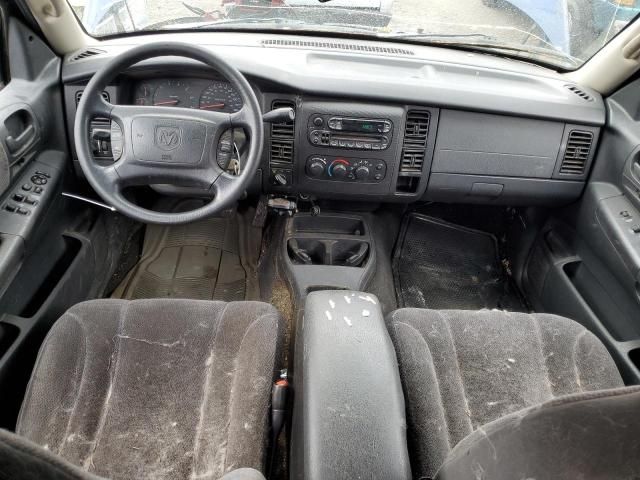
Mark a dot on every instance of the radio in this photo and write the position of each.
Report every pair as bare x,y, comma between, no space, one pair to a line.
348,132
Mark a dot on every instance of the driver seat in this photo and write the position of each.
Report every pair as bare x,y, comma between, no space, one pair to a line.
158,388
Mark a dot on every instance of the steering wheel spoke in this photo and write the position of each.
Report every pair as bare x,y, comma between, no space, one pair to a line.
168,145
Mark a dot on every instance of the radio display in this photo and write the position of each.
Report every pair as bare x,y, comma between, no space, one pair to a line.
364,126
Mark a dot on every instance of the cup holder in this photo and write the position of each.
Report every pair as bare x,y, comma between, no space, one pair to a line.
347,253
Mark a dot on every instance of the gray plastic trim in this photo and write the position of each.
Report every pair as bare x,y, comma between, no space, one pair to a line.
437,77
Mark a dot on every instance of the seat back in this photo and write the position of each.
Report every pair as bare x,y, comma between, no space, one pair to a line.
594,435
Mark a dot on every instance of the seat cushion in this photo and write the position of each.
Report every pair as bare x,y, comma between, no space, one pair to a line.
463,369
155,388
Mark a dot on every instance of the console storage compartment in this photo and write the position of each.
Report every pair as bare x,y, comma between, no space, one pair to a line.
349,414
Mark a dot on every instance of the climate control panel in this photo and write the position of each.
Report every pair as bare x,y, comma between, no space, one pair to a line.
346,169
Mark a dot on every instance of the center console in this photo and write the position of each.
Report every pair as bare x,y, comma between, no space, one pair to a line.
327,252
349,413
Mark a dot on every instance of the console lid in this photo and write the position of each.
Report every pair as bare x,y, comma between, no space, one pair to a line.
349,415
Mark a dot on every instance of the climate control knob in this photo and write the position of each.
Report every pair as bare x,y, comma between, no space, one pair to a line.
338,170
362,172
316,167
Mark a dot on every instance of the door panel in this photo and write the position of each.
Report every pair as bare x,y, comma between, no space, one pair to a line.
586,261
33,162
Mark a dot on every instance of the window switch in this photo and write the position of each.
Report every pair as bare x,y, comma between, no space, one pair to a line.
635,229
10,207
18,197
27,187
23,211
30,201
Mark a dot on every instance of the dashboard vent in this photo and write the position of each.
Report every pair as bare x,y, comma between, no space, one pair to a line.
352,47
414,143
282,137
89,52
576,154
581,93
105,96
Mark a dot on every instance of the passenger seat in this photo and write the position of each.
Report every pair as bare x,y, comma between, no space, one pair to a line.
493,394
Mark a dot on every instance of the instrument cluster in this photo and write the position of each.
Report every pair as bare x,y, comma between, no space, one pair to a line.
199,93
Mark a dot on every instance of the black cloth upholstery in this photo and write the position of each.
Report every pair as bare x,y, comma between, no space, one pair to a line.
155,388
21,459
590,435
463,369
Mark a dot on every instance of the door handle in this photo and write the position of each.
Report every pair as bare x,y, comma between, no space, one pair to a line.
22,140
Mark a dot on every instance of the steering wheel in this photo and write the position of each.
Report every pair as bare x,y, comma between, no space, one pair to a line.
167,145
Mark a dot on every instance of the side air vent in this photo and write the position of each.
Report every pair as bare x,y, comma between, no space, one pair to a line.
344,46
576,155
414,143
105,96
581,93
282,137
89,52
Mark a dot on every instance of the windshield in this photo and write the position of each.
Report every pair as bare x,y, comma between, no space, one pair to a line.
562,33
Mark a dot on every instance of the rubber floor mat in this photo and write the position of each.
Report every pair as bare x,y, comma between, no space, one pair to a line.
199,260
439,265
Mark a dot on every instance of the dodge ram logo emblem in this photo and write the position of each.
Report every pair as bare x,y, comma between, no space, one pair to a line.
167,138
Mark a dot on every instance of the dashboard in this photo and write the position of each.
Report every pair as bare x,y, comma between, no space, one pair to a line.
199,93
427,124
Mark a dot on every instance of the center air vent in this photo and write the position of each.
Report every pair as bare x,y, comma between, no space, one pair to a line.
577,152
105,96
414,143
581,93
89,52
282,137
344,46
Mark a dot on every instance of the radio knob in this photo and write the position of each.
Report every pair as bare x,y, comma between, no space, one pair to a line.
339,170
316,168
362,172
